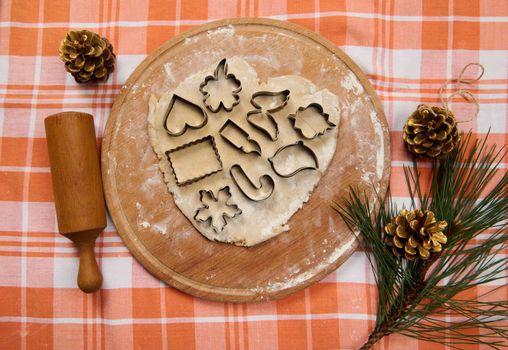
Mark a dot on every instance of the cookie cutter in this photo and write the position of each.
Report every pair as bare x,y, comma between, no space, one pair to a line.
182,179
261,117
221,73
304,148
230,130
178,99
307,130
282,95
251,190
209,218
264,122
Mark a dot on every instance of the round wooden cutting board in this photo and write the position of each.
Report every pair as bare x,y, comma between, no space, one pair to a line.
162,238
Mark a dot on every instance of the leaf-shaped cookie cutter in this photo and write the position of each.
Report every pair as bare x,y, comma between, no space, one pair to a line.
305,149
225,216
263,111
254,192
319,108
222,70
284,94
257,125
211,140
177,98
231,125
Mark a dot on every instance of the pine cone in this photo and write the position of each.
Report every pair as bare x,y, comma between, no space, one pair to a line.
87,56
415,233
431,132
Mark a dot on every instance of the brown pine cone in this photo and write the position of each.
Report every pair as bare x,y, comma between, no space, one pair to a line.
87,56
414,233
431,132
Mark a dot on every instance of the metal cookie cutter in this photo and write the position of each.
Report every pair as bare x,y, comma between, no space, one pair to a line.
266,102
239,138
280,156
181,103
249,189
264,122
220,75
205,215
270,101
182,160
311,121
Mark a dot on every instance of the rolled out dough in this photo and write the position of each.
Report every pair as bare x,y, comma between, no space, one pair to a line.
259,220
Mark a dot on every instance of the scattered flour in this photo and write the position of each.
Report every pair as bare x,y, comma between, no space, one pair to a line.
380,158
169,71
227,31
351,83
190,40
291,281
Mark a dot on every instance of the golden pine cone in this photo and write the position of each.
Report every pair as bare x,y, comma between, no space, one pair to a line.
87,56
414,233
431,132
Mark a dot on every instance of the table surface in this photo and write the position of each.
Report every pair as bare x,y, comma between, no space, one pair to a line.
407,49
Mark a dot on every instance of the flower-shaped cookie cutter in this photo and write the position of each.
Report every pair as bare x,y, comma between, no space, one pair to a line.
220,75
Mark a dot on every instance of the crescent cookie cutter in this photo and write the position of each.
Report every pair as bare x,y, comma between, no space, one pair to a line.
318,123
298,146
176,99
182,160
267,102
204,214
239,138
220,75
248,188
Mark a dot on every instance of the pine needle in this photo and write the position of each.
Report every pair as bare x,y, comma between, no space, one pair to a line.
421,299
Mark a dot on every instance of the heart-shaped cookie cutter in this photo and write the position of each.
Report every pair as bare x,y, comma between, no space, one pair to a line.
174,99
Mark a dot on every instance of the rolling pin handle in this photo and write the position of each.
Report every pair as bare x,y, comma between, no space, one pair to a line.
89,275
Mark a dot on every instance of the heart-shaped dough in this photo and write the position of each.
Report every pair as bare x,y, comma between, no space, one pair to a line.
205,166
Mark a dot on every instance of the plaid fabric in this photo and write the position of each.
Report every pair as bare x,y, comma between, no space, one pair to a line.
407,48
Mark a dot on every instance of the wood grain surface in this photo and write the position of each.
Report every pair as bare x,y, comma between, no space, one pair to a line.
77,186
163,240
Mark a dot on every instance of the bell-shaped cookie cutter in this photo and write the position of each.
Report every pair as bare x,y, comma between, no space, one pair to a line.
178,99
305,149
221,72
253,191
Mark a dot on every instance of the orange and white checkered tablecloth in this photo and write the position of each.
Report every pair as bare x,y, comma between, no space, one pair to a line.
406,47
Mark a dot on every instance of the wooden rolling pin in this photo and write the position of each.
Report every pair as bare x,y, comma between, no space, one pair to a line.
77,185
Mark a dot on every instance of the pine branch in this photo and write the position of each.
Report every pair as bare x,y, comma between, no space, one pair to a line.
420,298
